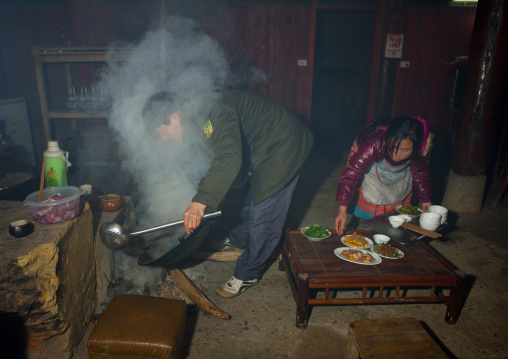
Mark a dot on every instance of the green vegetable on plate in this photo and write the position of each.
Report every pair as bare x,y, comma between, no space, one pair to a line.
410,210
316,231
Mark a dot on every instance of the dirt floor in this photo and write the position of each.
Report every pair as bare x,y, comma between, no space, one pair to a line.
263,317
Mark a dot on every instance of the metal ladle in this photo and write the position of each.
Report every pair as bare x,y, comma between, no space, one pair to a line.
115,237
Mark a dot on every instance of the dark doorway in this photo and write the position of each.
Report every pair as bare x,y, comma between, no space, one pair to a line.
342,72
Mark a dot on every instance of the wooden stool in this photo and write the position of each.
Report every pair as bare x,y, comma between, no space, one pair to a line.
135,326
395,338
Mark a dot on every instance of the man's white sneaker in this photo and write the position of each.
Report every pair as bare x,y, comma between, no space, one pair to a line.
226,246
234,287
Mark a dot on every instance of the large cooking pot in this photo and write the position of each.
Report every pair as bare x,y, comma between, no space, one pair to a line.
171,246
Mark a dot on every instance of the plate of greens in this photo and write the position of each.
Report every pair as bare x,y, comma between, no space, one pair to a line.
409,210
316,232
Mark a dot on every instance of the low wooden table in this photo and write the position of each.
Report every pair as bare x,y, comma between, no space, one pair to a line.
318,277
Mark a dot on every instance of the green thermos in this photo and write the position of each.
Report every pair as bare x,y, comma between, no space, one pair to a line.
55,173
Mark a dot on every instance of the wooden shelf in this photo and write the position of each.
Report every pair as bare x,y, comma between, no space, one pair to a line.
73,115
77,54
66,56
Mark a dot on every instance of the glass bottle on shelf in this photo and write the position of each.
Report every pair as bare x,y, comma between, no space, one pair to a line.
83,98
72,100
103,101
92,101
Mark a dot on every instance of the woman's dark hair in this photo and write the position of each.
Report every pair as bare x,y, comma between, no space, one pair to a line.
157,109
398,129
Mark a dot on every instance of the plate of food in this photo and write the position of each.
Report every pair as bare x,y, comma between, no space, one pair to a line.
409,210
358,256
356,240
387,251
316,232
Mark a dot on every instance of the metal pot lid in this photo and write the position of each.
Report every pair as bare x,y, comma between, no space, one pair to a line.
167,248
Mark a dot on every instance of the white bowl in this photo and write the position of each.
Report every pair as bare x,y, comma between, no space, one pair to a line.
429,226
443,219
396,221
438,209
381,239
86,188
430,218
406,217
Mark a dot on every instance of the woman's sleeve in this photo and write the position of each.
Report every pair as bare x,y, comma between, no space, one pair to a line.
421,179
358,163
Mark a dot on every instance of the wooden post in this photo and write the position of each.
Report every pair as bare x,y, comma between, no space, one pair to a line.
479,117
381,102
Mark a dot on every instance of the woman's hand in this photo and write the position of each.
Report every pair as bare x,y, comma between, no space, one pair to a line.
340,220
192,216
425,206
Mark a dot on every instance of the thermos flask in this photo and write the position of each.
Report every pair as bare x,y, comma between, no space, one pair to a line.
55,173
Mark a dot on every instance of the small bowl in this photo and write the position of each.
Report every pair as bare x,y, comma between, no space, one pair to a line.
396,221
438,209
430,218
111,203
443,219
429,226
21,228
406,217
381,239
86,189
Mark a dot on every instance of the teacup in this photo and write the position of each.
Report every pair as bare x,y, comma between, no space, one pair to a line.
396,221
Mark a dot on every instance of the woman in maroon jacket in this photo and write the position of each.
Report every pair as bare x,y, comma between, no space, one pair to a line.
389,156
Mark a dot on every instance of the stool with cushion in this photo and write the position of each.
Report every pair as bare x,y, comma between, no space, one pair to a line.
135,326
394,338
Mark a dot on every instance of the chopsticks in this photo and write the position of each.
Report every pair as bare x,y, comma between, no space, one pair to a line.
420,230
41,185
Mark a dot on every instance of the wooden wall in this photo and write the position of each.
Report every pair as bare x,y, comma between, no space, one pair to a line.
433,41
266,37
263,36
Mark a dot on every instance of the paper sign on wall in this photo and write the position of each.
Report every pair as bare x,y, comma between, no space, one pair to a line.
393,46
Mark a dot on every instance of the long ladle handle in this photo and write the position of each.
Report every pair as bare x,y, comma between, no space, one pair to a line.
172,224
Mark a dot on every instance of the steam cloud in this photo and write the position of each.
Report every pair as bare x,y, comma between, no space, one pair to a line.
176,58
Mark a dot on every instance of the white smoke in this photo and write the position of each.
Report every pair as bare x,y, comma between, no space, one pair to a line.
175,58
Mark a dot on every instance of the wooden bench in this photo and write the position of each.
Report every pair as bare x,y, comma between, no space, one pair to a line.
135,326
394,338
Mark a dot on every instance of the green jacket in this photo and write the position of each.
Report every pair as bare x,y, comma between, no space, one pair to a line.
277,145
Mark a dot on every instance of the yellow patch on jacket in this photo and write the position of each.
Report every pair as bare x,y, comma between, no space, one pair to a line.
208,129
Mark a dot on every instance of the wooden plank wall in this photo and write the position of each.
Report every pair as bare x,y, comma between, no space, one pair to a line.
270,39
434,39
261,39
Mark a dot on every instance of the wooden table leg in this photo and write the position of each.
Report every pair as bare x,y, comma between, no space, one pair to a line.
302,303
453,307
282,267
